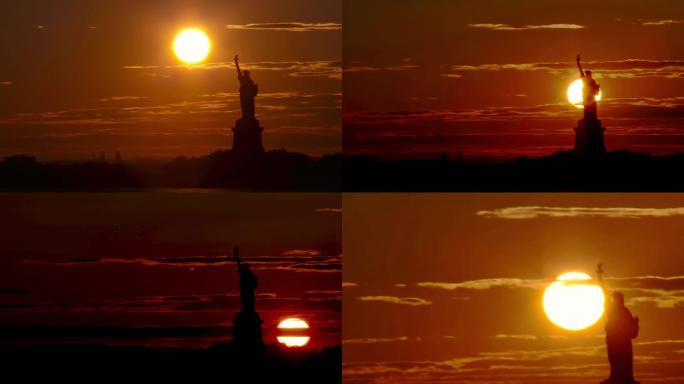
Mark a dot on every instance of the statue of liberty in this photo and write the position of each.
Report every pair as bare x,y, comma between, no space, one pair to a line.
247,131
248,283
590,90
589,143
247,324
621,328
248,91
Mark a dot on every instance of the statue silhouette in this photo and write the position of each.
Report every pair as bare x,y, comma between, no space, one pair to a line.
247,132
248,283
248,91
621,328
247,324
589,92
589,142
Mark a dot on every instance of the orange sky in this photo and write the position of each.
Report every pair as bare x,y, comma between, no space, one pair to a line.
489,78
90,76
448,288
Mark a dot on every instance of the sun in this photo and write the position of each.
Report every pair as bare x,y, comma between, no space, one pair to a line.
293,332
191,46
575,94
573,301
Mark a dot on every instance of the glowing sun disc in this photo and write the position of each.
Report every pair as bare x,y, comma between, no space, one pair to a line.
293,341
299,326
191,46
293,323
576,95
573,301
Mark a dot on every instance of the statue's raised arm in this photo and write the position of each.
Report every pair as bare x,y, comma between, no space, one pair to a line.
599,277
236,59
579,65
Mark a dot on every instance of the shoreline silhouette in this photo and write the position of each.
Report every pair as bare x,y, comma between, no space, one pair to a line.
91,362
273,170
563,171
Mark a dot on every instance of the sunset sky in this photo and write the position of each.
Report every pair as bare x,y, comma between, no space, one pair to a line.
449,287
489,78
157,269
86,76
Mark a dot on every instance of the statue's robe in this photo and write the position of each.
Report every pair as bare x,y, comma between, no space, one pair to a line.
621,328
589,93
248,91
248,283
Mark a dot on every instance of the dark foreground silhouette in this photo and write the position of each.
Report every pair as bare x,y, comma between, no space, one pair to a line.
621,328
222,363
563,171
273,170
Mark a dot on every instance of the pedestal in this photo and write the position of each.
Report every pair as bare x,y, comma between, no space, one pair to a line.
247,138
589,139
247,329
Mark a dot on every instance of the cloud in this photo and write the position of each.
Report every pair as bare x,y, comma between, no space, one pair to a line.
635,109
120,98
302,252
370,68
333,265
329,210
498,132
140,67
316,68
287,27
665,292
664,299
508,27
650,281
568,365
662,22
627,68
114,332
375,340
516,337
484,284
267,301
299,261
492,367
543,111
208,109
535,212
323,292
412,301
